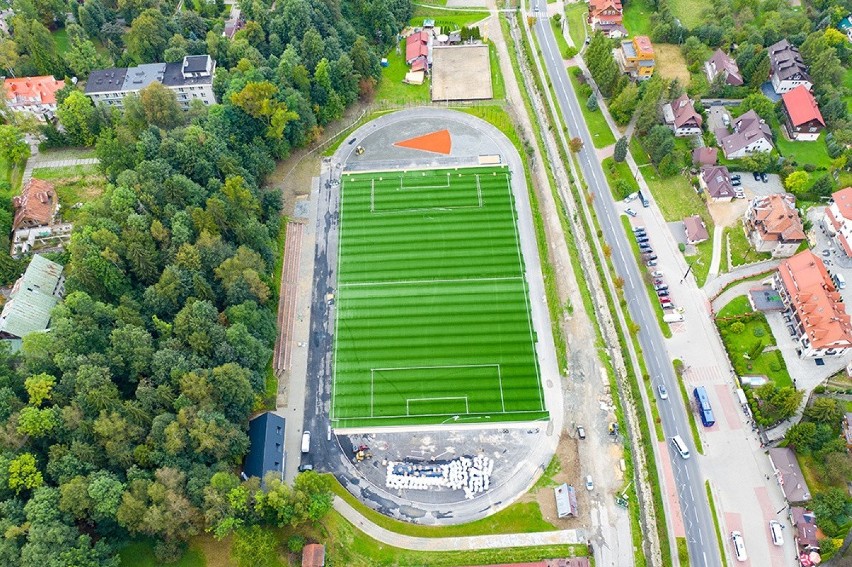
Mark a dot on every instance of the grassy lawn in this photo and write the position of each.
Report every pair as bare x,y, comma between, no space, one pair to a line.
739,345
521,517
742,251
601,134
446,19
560,39
65,171
619,171
638,16
676,197
60,38
649,286
141,554
498,85
670,63
803,153
575,14
701,261
688,11
638,153
391,89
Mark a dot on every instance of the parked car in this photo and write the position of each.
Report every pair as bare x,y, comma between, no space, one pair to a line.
756,176
581,432
775,532
736,182
663,293
664,394
589,484
637,229
657,274
736,177
739,546
661,287
642,238
826,252
668,306
764,178
651,263
631,197
630,212
650,257
658,282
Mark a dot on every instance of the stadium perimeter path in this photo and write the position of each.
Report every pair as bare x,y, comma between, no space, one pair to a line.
542,449
497,541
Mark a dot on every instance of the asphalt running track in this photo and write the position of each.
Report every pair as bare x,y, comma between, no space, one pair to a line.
288,295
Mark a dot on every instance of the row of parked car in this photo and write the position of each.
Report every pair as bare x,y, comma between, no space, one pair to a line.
660,286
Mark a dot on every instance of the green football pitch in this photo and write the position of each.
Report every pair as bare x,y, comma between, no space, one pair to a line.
433,321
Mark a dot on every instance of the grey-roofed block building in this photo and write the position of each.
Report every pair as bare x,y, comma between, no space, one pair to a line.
789,475
266,449
191,79
33,297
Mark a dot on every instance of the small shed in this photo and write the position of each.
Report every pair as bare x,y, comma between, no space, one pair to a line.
313,555
695,230
266,446
566,501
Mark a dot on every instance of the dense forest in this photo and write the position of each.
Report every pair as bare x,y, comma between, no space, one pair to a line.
129,417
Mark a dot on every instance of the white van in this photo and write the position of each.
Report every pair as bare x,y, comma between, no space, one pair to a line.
841,281
739,546
681,447
306,441
775,531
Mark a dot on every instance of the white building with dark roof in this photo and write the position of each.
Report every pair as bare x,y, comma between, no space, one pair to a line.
787,68
191,79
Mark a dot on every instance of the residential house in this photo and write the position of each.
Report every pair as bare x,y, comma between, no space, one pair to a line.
606,16
417,47
802,117
845,26
787,68
716,180
190,79
847,429
266,446
313,555
33,95
705,156
789,475
815,308
773,225
32,299
681,117
751,135
838,219
720,63
36,220
696,230
805,530
636,57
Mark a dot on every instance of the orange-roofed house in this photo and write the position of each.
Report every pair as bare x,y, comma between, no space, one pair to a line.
35,95
774,226
606,16
838,219
36,218
636,57
802,117
818,314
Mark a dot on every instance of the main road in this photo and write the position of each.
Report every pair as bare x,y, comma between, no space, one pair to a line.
698,522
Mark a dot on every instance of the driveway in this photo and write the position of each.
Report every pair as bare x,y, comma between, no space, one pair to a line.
714,118
753,188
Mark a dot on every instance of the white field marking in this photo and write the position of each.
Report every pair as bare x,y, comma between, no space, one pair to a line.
422,209
420,282
409,400
476,414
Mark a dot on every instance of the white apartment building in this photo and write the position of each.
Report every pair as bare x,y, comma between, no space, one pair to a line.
191,79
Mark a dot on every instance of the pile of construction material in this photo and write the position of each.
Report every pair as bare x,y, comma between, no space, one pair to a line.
473,475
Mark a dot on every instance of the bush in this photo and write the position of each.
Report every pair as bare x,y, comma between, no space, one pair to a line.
758,332
295,544
592,102
681,246
169,551
737,327
570,52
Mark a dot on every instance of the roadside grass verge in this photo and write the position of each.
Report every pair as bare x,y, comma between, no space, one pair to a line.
742,252
620,178
546,478
693,425
746,347
498,83
682,552
716,525
647,281
602,136
560,39
575,15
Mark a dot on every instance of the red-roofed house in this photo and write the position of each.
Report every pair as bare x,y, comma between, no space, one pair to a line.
838,219
681,117
773,225
417,45
35,95
803,119
606,16
36,216
313,555
821,323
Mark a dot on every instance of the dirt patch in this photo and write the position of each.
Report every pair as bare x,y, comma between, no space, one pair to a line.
461,72
728,214
569,472
670,63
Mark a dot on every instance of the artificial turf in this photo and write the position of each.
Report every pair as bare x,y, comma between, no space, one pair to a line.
433,322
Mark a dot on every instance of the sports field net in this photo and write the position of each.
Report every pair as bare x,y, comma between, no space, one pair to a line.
433,323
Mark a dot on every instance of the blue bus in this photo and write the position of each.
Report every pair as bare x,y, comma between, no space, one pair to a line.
704,409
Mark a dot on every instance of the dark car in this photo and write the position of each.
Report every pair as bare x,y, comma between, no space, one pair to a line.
640,238
736,182
663,293
736,177
756,176
649,257
764,178
307,463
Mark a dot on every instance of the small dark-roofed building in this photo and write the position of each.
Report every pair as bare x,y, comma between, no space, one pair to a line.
720,63
680,115
313,555
804,524
716,180
695,229
705,156
789,475
266,449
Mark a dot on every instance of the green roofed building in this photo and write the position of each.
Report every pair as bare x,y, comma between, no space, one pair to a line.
33,298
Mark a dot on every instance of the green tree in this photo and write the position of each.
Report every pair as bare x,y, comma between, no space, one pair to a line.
160,106
802,436
35,40
148,37
619,154
36,422
13,148
77,116
82,58
575,144
624,104
797,182
757,102
837,467
592,102
826,410
39,388
23,473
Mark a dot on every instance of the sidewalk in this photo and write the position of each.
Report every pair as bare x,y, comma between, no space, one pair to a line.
387,537
715,287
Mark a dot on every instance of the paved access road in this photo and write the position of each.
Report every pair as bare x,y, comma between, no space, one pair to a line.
698,523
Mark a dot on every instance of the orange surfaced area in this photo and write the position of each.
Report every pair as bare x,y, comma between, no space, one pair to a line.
436,142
